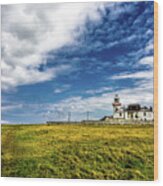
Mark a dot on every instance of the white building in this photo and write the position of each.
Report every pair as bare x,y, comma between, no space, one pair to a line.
133,111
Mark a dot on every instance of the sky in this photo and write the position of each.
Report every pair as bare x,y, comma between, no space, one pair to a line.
74,57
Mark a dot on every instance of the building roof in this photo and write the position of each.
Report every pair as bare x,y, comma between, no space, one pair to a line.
137,107
102,119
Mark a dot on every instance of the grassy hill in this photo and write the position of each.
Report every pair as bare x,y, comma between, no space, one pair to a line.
78,151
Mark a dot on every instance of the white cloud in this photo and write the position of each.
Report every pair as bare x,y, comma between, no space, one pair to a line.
149,46
30,31
135,75
20,75
4,122
119,10
148,60
58,90
98,91
11,107
63,88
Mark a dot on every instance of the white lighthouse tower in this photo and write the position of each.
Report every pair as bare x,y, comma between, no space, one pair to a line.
117,107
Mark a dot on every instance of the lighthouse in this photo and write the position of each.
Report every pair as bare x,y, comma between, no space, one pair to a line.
116,104
117,108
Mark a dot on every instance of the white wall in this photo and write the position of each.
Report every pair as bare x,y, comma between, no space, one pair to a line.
149,115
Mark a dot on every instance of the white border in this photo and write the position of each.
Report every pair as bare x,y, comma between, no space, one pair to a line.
63,182
61,1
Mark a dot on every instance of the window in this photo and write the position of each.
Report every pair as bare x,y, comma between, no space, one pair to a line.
144,113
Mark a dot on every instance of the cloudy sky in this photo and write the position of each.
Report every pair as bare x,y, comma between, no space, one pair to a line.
60,58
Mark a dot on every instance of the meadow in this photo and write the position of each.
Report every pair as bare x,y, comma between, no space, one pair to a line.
80,151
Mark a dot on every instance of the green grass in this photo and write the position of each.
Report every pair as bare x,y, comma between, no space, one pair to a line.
78,151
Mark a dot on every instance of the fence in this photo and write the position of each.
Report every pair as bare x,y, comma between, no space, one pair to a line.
110,121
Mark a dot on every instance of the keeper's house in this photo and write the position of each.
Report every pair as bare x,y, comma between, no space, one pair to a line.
133,111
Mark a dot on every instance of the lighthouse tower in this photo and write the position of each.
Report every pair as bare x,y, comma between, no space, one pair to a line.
116,104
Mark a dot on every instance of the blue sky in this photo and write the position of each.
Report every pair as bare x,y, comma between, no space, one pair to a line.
60,58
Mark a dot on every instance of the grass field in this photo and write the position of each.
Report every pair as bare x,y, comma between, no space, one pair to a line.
78,151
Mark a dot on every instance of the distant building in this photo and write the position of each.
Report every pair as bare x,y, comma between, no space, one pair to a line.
106,118
133,111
